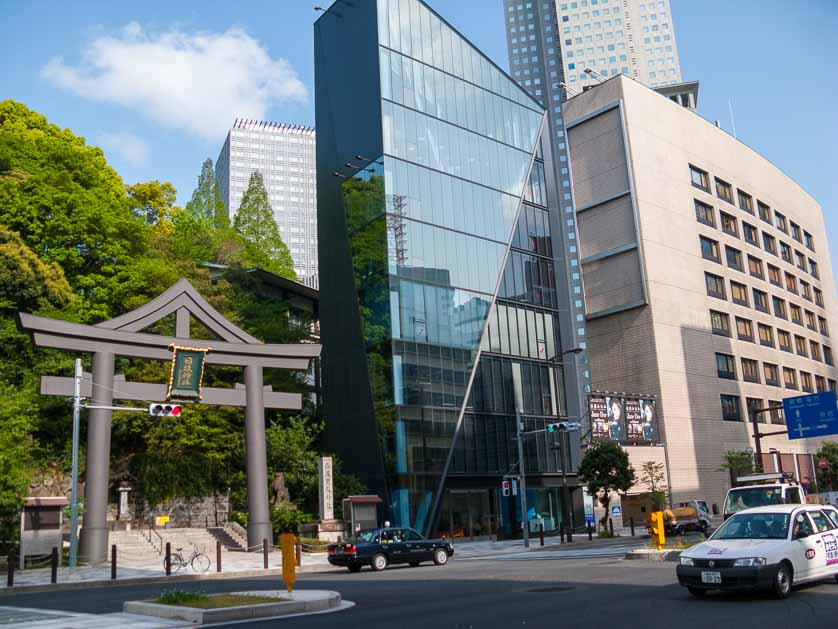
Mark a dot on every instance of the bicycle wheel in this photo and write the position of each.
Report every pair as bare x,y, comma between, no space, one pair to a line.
200,562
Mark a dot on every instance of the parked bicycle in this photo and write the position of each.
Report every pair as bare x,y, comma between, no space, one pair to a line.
198,560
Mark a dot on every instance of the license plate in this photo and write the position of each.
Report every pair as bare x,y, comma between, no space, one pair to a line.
339,550
711,577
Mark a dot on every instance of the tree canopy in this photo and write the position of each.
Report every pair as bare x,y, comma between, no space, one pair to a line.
606,468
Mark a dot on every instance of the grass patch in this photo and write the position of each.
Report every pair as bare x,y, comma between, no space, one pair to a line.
200,600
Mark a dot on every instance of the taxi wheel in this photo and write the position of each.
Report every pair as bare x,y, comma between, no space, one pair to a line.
440,557
697,592
354,568
379,562
781,587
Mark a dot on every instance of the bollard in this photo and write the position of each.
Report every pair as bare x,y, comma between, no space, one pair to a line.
590,532
541,533
569,534
561,533
53,564
631,524
611,527
168,560
265,553
10,569
218,556
298,548
113,562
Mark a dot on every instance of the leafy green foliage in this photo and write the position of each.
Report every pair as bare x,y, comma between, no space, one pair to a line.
176,597
206,203
653,475
737,463
256,224
286,520
606,468
828,477
152,201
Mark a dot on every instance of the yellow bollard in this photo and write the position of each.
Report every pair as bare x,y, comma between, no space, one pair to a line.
287,542
657,529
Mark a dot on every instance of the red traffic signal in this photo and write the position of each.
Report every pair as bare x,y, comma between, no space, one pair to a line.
164,410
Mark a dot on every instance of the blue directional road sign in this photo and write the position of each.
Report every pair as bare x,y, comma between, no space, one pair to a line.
811,415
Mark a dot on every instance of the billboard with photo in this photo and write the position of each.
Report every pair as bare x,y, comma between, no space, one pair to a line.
627,420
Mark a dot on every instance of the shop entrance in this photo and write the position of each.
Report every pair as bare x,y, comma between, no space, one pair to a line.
469,514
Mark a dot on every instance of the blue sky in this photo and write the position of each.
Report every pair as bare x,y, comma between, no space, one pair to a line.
104,70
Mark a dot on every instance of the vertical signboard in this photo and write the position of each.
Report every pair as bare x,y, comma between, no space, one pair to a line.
598,412
187,373
625,419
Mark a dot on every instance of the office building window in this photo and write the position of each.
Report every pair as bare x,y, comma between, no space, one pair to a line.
796,314
784,340
811,323
789,378
755,267
772,374
806,382
753,405
730,408
725,366
720,323
766,335
785,253
815,350
820,383
805,290
744,330
746,201
831,385
795,231
801,260
705,213
780,222
760,300
724,191
739,293
810,242
813,269
728,224
818,297
710,249
775,276
734,258
827,355
715,286
750,370
800,346
764,211
776,412
699,178
769,243
822,326
751,234
779,307
791,283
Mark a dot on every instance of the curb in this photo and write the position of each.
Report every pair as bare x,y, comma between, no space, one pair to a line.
208,576
313,602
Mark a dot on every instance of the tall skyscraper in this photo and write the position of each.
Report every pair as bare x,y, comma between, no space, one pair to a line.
444,298
284,155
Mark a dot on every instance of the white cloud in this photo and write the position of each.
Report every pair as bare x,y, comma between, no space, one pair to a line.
127,145
198,82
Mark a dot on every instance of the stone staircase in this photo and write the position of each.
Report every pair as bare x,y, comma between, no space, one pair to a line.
228,538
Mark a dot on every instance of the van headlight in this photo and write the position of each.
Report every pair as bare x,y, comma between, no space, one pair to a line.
748,562
687,561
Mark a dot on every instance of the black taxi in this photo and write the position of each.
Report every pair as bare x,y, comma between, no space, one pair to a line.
378,548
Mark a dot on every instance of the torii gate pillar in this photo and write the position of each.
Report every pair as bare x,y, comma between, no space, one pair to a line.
259,516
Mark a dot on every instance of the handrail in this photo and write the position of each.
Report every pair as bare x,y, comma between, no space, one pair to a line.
155,544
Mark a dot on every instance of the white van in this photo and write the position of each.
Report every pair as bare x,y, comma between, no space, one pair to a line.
759,490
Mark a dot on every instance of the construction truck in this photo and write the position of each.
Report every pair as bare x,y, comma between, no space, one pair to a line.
693,515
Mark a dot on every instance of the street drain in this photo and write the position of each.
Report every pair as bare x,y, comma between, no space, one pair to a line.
556,588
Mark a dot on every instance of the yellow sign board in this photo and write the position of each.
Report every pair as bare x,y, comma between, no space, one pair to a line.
287,541
161,520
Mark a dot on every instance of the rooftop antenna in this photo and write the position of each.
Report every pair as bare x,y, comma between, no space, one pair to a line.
732,121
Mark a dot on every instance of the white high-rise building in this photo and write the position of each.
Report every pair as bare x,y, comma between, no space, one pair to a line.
611,37
284,155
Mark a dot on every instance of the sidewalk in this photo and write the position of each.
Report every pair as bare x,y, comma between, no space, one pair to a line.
551,543
234,564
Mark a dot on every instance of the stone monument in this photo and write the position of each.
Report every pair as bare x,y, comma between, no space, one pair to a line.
326,528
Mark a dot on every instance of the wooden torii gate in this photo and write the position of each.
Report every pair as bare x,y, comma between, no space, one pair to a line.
123,336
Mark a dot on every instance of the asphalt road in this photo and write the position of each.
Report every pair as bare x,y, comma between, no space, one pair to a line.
502,593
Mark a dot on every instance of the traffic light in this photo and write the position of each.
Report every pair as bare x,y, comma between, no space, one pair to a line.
656,528
562,426
164,410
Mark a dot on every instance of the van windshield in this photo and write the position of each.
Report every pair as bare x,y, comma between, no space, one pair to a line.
747,497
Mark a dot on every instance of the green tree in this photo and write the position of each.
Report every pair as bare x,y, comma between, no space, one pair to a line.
737,463
256,224
152,201
606,468
828,476
206,203
652,475
26,282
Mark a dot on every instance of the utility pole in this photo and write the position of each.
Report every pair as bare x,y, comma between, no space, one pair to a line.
519,431
74,487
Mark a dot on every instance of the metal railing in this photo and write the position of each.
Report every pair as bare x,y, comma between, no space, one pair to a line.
154,538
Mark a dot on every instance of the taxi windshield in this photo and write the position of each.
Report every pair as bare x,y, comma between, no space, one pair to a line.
754,526
747,497
366,536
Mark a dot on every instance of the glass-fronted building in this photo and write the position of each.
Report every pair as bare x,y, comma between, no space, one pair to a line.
440,283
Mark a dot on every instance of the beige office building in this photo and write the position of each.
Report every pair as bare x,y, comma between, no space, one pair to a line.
707,280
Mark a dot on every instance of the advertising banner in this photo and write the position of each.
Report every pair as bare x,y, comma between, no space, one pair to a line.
598,412
627,420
